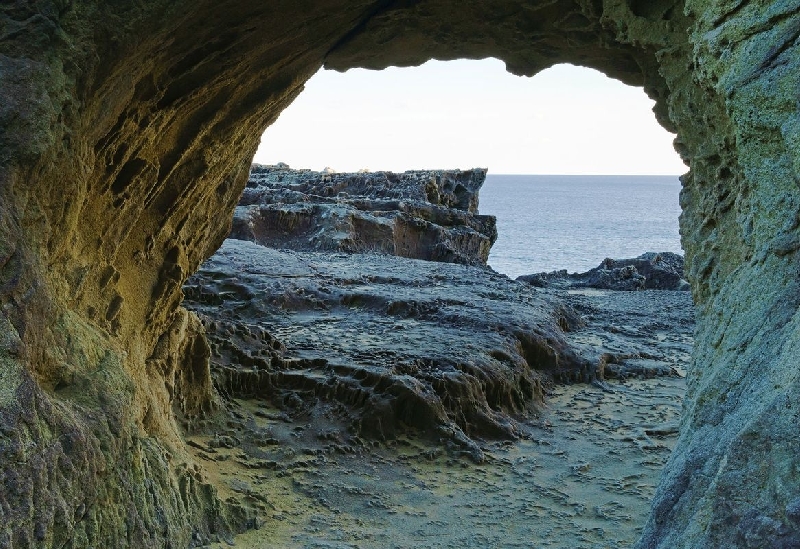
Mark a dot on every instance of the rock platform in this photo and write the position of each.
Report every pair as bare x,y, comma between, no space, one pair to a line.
393,343
357,363
376,399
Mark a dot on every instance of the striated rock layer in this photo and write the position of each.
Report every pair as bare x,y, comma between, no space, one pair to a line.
126,133
390,344
429,215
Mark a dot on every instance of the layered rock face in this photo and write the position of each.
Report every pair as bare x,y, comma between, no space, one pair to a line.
126,132
386,344
430,215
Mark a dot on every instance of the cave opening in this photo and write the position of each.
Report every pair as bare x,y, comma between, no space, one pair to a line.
128,130
362,319
128,134
578,167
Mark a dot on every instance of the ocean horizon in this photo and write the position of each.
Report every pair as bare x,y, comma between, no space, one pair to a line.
573,222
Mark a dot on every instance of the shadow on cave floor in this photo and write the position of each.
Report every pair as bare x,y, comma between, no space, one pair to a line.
583,476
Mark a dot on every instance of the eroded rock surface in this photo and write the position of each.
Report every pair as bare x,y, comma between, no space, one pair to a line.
430,215
392,343
127,131
647,333
328,420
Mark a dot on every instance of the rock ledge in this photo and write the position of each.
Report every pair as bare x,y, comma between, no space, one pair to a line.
431,215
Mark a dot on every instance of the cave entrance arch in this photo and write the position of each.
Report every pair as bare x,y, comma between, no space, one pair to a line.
128,130
322,131
567,121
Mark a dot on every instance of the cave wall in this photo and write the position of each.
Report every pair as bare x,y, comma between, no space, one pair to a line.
734,479
126,132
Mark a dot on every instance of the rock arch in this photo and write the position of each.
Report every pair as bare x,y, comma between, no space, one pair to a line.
126,131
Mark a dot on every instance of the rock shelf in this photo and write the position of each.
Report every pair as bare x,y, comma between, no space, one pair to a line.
429,215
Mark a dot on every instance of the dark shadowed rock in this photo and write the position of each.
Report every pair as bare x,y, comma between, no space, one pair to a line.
394,343
429,215
651,271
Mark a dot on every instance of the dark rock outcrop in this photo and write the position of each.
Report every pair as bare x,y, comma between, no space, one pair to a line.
126,135
611,277
430,215
394,344
649,271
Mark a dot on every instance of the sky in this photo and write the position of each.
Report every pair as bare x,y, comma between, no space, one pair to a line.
467,114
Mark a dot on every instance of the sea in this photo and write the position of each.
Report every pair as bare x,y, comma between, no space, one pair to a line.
573,222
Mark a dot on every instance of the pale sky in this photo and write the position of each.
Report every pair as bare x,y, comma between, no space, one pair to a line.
467,114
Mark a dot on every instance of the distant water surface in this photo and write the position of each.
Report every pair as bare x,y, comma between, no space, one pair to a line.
573,222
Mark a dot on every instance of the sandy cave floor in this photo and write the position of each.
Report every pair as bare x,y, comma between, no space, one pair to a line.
582,477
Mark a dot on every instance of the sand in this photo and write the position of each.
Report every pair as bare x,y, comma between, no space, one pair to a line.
583,476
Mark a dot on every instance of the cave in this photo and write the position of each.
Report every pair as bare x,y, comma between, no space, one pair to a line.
127,131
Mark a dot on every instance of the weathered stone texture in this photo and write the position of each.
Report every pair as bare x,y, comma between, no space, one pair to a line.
649,271
431,215
736,468
126,131
391,344
117,123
